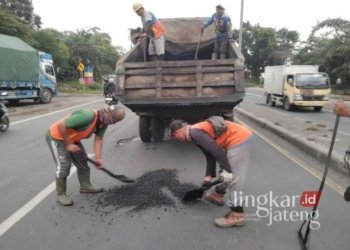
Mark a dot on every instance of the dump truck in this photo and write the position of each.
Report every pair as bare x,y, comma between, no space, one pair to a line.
296,85
179,87
25,73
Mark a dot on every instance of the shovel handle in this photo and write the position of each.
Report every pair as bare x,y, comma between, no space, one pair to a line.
216,182
103,169
91,161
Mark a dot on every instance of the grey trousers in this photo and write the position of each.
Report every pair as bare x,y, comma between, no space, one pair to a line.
64,159
238,158
156,46
221,46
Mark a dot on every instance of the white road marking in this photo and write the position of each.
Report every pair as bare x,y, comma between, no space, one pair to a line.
54,112
254,95
30,205
23,211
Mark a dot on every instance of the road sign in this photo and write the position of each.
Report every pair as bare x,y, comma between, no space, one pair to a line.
80,67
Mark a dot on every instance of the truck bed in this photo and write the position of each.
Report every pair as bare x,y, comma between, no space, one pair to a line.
201,87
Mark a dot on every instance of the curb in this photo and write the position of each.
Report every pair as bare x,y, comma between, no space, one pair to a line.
311,148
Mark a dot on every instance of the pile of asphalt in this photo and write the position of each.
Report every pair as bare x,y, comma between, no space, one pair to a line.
147,192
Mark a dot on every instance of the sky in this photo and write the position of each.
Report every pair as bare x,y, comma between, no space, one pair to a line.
116,17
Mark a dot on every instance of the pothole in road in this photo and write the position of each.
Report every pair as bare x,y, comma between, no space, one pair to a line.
149,191
123,141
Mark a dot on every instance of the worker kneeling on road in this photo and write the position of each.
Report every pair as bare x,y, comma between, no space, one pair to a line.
229,144
64,140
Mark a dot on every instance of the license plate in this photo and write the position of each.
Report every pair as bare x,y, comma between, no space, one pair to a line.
313,103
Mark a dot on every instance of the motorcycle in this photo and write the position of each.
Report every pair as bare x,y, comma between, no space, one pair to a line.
4,119
109,91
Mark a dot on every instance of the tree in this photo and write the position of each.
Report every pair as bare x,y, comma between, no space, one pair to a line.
94,48
329,46
12,26
52,41
264,46
24,10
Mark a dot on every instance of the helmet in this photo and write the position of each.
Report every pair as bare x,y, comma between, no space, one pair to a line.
137,6
220,7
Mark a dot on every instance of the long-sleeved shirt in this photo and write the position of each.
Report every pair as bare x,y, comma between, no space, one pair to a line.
213,152
223,26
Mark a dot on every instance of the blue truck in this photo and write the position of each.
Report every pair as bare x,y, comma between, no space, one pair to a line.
25,73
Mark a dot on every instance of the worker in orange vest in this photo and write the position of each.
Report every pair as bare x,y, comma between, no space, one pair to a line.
153,29
228,144
341,109
64,140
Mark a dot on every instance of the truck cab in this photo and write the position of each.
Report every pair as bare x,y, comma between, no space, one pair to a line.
47,77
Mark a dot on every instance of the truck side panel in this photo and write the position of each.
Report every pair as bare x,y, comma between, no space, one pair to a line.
273,80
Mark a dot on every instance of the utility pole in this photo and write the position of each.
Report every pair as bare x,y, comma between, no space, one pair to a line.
241,26
31,13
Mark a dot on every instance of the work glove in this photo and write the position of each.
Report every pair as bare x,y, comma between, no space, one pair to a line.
226,176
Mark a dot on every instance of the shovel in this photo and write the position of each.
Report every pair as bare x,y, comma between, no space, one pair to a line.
347,163
198,193
199,43
304,238
119,177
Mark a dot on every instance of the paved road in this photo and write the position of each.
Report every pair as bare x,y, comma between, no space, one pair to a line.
27,169
325,117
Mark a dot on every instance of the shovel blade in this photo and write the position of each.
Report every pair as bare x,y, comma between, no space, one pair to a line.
125,179
193,195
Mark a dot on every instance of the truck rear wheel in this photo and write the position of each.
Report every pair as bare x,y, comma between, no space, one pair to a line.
157,129
145,128
286,104
45,96
4,124
269,101
318,108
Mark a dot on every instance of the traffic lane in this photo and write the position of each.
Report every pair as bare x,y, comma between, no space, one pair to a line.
306,114
87,225
27,166
27,108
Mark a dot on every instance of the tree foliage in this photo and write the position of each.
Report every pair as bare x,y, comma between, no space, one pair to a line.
12,26
24,10
52,41
92,47
263,46
329,46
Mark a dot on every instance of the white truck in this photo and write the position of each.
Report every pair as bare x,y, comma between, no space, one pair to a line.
296,85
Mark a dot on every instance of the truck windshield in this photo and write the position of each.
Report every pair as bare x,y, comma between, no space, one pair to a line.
315,80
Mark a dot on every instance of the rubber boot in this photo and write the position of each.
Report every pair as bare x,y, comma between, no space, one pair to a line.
160,57
214,56
222,56
61,187
153,58
84,180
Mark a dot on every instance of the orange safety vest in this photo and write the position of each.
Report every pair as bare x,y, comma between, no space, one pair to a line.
158,29
73,135
234,135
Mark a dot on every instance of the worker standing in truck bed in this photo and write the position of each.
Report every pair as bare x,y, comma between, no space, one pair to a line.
223,30
153,29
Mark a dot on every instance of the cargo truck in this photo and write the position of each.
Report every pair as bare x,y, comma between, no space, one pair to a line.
25,73
296,86
179,87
